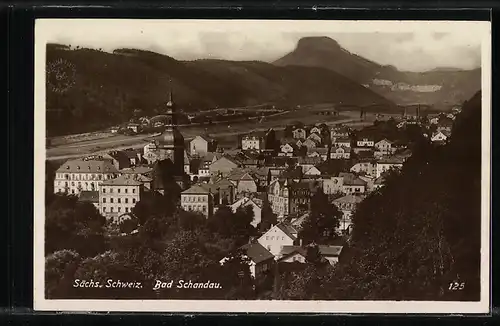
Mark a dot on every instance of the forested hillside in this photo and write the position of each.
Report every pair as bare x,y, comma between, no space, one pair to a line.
106,88
416,235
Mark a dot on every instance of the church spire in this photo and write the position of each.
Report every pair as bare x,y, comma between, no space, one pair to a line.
170,103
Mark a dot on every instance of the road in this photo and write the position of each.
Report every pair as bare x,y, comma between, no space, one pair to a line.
105,145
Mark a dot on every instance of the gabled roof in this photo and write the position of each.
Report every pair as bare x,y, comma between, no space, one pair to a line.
309,160
123,180
391,160
288,229
325,250
286,251
354,182
257,253
246,177
349,199
90,166
196,189
385,140
319,150
137,170
343,140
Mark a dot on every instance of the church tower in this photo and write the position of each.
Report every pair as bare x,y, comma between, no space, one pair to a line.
171,142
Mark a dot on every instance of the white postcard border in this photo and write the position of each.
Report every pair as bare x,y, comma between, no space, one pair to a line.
43,27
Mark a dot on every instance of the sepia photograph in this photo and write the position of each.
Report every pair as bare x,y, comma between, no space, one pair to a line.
262,166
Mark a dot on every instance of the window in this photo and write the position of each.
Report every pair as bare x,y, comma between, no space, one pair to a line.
104,200
126,209
126,190
119,190
119,209
267,237
111,190
104,209
72,191
133,200
111,200
119,200
133,191
103,190
111,209
126,200
72,183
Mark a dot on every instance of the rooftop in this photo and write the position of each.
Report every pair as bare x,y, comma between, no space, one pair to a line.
257,253
90,166
122,180
325,250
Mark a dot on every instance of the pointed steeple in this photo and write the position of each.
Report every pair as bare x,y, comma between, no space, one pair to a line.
170,103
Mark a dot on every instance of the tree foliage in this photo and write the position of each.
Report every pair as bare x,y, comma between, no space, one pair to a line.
322,220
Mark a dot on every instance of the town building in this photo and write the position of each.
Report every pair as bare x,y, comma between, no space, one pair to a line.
311,143
222,167
83,175
256,208
387,164
289,197
260,260
252,143
198,198
365,142
365,167
287,149
316,137
340,153
440,136
351,184
201,145
299,133
279,235
385,147
118,196
347,205
342,142
339,132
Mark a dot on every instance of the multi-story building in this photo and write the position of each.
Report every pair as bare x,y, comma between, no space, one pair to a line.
252,142
387,164
118,196
365,142
201,145
198,198
75,176
347,205
365,167
339,153
385,147
288,197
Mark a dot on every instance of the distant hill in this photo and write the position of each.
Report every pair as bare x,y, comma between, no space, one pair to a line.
440,87
108,87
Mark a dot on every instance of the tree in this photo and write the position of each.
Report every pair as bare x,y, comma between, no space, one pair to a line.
302,151
235,225
268,218
129,225
322,221
60,267
74,225
288,132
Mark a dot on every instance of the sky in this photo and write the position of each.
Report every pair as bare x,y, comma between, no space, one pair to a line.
409,46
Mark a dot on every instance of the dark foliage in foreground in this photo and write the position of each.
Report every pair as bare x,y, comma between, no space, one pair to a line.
417,234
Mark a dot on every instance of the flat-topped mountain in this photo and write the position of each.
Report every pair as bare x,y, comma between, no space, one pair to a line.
440,87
